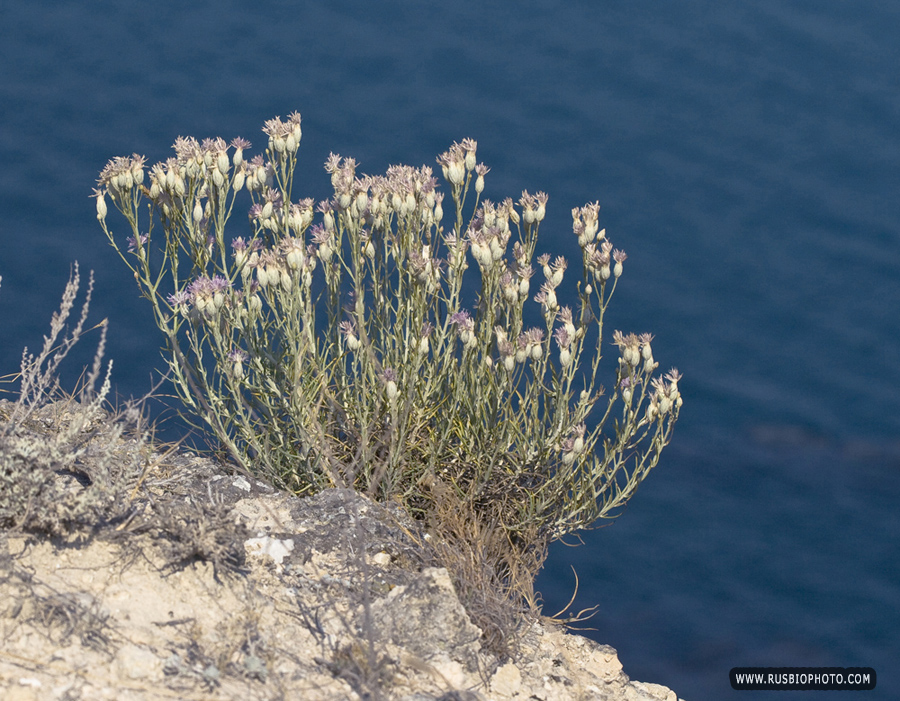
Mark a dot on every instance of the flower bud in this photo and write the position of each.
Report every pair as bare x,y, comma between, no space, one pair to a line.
198,212
632,357
370,250
294,259
391,389
362,199
551,300
456,173
101,207
222,162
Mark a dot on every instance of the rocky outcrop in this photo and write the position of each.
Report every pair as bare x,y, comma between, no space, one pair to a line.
215,586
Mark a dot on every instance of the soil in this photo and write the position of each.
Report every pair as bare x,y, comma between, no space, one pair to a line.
208,584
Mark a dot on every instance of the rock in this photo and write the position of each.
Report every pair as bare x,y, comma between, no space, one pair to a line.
344,604
134,662
426,618
507,681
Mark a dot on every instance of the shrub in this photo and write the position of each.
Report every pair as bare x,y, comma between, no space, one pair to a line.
337,350
47,435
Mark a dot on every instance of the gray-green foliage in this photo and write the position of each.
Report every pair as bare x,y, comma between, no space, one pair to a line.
44,436
340,352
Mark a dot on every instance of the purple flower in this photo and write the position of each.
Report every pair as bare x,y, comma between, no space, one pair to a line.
179,299
219,283
133,244
463,321
237,356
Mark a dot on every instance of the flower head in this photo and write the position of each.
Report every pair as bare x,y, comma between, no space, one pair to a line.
133,242
465,326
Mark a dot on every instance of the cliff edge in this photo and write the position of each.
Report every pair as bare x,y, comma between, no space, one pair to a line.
209,585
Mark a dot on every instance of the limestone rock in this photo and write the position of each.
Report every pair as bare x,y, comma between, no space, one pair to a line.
353,608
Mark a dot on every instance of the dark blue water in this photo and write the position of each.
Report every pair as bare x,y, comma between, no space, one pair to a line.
746,156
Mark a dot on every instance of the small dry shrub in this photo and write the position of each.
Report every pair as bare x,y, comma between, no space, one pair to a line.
63,464
188,532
